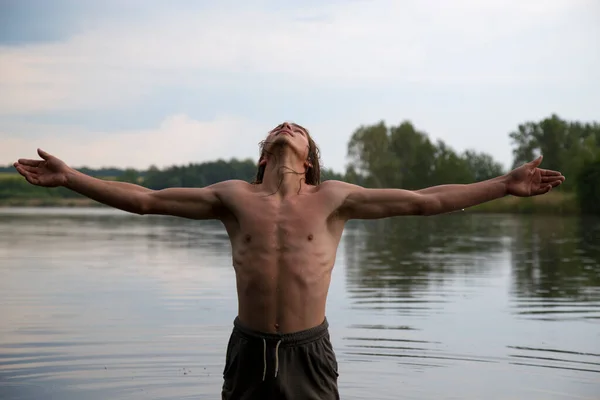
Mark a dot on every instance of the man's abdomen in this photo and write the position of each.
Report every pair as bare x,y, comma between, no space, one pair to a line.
282,298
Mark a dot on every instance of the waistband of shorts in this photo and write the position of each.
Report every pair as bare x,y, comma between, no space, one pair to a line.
285,339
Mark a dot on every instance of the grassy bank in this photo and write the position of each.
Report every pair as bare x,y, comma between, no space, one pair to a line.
49,202
556,202
16,192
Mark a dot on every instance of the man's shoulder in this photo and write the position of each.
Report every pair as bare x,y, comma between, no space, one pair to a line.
231,184
337,186
232,191
337,191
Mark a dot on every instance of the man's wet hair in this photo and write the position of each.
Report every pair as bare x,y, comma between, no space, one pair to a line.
312,173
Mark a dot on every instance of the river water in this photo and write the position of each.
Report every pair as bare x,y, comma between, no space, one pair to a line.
100,304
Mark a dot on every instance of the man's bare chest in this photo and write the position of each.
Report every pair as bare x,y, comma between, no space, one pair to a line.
281,223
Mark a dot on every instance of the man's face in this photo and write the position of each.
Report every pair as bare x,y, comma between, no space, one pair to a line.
291,134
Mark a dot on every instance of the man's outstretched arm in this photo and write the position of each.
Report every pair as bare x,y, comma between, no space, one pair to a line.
196,203
527,180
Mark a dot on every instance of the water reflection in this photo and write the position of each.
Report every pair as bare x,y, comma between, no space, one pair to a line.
405,256
448,280
103,224
556,262
99,304
553,261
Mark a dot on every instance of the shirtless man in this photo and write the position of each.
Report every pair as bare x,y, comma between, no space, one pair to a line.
284,230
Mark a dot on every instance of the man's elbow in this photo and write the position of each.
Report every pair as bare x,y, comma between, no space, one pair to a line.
141,211
431,205
143,205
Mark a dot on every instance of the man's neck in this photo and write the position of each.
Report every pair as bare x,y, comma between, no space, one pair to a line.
284,175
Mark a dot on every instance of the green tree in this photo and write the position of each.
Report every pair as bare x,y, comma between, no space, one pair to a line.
566,146
588,188
449,167
129,175
403,156
415,155
329,174
525,144
370,156
482,166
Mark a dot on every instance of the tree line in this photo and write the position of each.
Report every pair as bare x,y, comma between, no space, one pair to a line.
389,156
403,157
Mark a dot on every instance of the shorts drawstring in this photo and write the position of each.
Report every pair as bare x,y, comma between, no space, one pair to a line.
300,338
277,358
265,358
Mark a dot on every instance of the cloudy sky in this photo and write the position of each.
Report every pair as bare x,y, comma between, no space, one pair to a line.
134,83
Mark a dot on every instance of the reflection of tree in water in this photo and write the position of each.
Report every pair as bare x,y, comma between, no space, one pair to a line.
154,230
557,258
409,254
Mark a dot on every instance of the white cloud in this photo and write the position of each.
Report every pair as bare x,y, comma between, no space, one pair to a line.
349,43
178,140
336,66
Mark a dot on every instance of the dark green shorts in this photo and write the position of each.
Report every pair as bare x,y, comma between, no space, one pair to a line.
300,365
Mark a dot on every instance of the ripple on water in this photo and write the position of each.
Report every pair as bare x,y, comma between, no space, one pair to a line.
112,306
557,309
119,368
555,358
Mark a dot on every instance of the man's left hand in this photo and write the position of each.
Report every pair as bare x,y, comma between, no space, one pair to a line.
529,180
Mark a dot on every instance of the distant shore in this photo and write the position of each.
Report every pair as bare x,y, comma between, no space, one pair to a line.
49,202
556,202
551,203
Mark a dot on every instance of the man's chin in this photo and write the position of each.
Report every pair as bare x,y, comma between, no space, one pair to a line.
278,141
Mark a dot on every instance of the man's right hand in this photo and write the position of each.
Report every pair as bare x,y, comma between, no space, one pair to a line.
50,171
